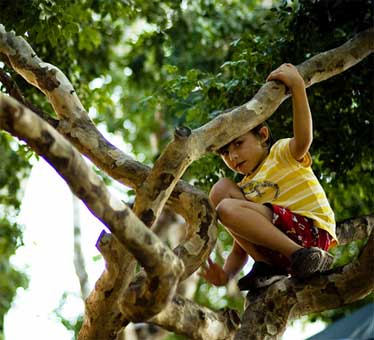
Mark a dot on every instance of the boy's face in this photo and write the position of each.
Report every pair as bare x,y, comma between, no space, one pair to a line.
244,153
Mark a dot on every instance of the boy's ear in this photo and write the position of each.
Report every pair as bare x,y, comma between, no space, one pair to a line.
264,133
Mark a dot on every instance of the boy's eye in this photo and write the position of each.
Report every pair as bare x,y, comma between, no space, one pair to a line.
238,143
223,152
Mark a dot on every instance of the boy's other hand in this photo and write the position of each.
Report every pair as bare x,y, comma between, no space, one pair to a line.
288,75
214,274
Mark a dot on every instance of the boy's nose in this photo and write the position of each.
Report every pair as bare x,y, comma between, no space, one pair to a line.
233,156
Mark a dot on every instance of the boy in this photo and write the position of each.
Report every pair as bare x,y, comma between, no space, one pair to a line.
278,214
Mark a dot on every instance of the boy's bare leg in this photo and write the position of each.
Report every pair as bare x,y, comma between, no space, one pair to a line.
250,249
252,222
225,188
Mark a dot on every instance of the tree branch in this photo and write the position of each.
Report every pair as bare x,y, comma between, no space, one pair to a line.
183,316
75,124
352,230
187,147
103,317
180,315
12,88
162,266
186,200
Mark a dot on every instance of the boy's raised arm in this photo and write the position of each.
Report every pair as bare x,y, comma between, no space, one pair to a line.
302,118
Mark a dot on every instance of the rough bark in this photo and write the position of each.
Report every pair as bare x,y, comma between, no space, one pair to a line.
181,315
154,292
185,317
357,229
162,266
75,124
148,296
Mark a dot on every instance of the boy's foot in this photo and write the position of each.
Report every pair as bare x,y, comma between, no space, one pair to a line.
308,261
261,275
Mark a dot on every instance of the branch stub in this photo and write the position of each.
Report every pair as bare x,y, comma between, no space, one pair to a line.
182,132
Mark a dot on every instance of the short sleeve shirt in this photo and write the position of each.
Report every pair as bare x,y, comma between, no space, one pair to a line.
282,180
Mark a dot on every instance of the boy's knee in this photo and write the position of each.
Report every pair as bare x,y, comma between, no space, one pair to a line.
226,209
221,190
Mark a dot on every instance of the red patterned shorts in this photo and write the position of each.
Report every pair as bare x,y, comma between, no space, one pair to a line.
298,228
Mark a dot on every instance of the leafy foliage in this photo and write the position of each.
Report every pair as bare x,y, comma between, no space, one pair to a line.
72,325
10,278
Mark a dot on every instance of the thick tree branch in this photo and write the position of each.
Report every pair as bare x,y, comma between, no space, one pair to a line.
103,317
115,319
46,77
269,311
186,200
183,316
189,146
352,230
162,266
330,63
180,315
12,88
74,124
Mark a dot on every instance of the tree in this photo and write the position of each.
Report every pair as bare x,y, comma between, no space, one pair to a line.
150,296
240,37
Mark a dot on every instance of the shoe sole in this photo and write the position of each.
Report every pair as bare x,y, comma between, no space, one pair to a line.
261,283
269,281
315,261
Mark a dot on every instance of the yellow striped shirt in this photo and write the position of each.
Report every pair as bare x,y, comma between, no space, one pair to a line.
282,180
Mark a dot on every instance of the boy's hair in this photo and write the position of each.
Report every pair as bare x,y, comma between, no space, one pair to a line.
256,132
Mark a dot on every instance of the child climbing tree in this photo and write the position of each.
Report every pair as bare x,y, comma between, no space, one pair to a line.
151,294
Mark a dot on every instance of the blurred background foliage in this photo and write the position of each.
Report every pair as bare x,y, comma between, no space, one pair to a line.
141,68
14,168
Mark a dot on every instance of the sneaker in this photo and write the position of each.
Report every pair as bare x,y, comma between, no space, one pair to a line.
261,275
308,261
